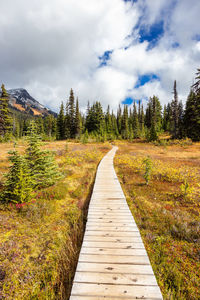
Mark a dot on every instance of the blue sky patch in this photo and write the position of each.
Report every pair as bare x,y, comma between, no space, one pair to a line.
127,101
105,57
144,79
130,100
151,34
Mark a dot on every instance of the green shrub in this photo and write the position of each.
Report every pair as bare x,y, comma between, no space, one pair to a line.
19,183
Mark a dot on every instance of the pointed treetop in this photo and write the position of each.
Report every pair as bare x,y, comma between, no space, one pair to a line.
3,91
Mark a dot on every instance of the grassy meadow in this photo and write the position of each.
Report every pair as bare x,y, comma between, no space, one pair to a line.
40,240
167,210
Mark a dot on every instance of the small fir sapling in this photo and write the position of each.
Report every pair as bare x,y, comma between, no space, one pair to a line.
19,184
148,169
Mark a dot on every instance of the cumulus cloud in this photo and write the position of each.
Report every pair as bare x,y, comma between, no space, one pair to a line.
50,46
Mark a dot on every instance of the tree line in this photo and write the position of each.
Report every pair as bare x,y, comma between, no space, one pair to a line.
133,122
126,123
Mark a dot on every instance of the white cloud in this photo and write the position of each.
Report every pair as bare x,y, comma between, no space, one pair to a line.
49,46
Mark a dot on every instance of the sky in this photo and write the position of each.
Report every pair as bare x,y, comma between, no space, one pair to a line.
109,51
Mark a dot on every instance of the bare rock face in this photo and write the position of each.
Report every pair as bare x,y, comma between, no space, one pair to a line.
22,101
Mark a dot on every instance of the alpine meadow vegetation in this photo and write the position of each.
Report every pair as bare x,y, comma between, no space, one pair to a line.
42,225
166,209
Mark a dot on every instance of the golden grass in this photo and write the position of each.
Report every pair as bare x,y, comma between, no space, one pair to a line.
168,217
40,241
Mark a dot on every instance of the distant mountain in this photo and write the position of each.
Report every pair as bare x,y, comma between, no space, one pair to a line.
22,101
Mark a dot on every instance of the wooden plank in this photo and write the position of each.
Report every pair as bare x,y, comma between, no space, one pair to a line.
114,259
106,206
111,218
111,245
106,290
109,208
122,239
109,213
117,250
104,221
112,228
80,297
112,233
120,278
112,225
122,210
114,268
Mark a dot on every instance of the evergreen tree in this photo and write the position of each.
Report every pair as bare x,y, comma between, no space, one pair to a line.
175,113
157,111
19,184
114,125
72,115
148,114
40,125
44,170
67,121
191,117
124,124
108,121
5,118
61,123
135,122
50,126
196,85
169,118
95,121
153,130
164,125
139,110
16,127
77,120
119,119
192,111
142,129
181,132
154,114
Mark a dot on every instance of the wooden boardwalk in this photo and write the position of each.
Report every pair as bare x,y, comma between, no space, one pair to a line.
113,263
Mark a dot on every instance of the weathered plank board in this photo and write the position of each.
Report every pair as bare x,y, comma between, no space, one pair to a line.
116,290
113,263
114,268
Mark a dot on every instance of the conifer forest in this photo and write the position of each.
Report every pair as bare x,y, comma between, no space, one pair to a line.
129,122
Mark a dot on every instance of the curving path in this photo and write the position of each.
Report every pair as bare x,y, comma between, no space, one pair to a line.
113,263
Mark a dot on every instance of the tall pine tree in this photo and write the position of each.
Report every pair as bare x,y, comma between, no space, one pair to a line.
72,115
124,124
61,123
191,117
135,122
77,120
175,113
5,116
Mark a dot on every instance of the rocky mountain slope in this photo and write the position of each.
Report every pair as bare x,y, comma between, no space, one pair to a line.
21,100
